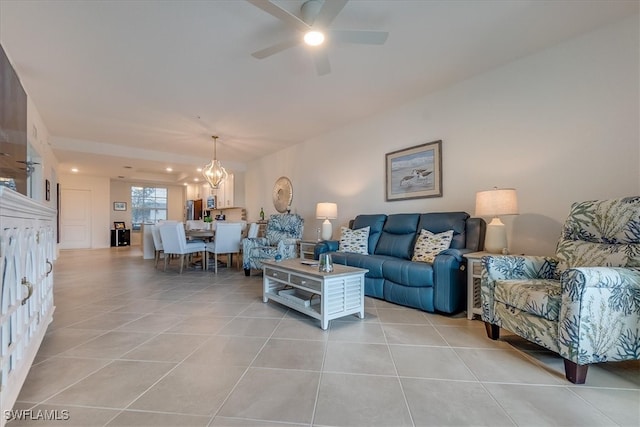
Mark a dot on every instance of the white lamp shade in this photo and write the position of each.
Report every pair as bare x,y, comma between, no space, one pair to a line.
499,201
326,210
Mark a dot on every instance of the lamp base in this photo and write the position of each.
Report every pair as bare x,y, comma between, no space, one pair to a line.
327,230
495,240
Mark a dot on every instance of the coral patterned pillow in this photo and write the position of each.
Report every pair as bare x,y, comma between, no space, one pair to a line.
428,245
356,241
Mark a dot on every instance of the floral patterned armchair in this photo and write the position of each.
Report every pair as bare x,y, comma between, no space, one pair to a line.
282,235
584,303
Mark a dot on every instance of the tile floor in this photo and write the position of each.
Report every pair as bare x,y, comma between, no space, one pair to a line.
131,345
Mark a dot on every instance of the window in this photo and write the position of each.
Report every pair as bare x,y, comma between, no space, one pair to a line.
148,205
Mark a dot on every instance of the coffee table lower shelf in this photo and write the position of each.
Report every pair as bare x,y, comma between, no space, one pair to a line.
336,294
310,311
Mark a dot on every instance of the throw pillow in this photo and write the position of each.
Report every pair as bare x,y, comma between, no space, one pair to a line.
428,245
356,241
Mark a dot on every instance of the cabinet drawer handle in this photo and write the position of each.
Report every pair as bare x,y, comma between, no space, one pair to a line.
50,267
302,282
29,286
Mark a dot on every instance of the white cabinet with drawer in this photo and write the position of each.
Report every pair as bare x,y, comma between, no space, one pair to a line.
27,252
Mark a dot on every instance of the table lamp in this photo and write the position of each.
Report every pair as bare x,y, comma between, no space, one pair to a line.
326,211
492,203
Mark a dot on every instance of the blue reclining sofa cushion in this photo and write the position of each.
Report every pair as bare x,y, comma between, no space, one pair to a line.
398,236
439,222
408,273
376,222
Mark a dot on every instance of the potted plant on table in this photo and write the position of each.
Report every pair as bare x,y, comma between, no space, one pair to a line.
208,220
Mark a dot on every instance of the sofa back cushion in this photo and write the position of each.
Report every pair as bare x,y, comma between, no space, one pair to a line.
601,233
375,224
284,226
439,222
398,236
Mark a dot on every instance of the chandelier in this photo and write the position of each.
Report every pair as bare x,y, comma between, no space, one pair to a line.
213,172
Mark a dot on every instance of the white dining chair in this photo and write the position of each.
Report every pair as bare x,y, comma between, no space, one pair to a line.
157,243
226,241
253,230
174,241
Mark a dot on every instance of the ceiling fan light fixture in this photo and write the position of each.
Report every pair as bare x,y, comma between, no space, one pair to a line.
314,38
213,172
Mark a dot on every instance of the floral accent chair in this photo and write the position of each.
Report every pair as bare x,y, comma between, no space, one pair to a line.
584,303
282,235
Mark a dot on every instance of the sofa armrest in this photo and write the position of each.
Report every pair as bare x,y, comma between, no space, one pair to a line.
324,247
511,267
600,314
576,280
249,243
508,267
449,282
456,253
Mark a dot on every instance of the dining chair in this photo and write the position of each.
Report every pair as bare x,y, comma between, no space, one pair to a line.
157,243
157,240
174,241
226,241
253,230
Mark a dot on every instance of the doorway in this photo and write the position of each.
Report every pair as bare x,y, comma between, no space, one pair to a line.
75,219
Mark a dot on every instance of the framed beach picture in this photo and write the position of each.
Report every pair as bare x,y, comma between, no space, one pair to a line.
119,206
414,173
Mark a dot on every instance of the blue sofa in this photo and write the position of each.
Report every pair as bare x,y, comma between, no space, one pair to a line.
434,287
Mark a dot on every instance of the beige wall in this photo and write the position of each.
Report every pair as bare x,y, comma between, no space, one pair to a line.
100,206
102,213
559,126
120,191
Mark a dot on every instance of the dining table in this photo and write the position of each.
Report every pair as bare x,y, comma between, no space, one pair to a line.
206,235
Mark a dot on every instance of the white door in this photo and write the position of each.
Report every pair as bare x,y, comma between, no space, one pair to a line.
75,219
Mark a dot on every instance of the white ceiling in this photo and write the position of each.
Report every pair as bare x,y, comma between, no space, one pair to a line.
146,83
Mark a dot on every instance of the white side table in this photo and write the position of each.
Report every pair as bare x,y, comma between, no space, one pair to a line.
474,271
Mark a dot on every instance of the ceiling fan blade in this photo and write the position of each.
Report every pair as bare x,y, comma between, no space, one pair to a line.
357,36
321,59
330,9
281,14
278,47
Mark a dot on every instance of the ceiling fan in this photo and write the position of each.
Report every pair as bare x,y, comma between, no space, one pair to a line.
314,21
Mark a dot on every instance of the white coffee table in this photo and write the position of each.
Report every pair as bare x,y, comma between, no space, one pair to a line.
323,296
